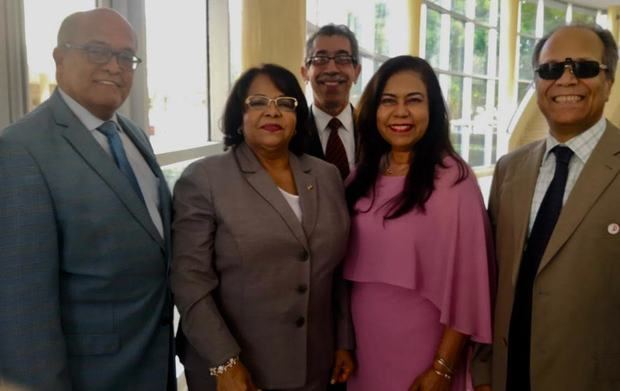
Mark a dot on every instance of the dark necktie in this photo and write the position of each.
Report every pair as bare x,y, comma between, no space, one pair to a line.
334,151
109,129
519,337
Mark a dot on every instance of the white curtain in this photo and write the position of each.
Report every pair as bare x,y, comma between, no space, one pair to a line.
13,65
136,107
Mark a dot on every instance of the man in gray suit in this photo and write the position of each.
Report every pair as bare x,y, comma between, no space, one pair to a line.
554,209
84,232
331,67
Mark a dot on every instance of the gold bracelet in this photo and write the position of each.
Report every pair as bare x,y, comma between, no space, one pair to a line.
442,362
446,376
220,369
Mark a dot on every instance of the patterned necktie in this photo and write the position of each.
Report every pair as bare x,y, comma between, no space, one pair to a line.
109,129
334,151
519,337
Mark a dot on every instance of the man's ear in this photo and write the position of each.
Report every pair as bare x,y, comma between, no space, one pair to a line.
58,55
610,85
358,69
304,73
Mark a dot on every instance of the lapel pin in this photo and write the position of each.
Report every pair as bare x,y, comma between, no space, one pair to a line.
613,228
309,187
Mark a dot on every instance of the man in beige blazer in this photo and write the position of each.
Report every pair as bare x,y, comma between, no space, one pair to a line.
556,329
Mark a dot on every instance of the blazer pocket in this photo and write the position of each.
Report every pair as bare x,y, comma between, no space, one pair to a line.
92,344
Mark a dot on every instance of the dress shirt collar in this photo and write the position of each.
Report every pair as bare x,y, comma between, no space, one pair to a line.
321,118
583,144
90,121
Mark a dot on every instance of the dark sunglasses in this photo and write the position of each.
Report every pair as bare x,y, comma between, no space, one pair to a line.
582,69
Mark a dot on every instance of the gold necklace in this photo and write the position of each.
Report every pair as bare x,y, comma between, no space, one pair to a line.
402,169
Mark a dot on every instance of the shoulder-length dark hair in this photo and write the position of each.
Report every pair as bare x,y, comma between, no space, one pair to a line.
427,153
285,81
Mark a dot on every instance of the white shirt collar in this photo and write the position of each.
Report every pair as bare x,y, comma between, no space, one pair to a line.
583,144
321,118
90,121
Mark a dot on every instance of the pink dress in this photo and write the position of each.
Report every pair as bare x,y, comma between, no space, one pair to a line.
413,275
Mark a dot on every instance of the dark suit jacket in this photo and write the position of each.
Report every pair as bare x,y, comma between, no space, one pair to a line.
576,302
313,142
249,278
84,298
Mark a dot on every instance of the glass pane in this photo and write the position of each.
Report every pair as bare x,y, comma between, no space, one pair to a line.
457,45
526,49
583,15
555,15
178,113
483,10
458,6
381,43
235,10
455,97
41,31
523,87
476,150
478,97
481,50
528,18
433,32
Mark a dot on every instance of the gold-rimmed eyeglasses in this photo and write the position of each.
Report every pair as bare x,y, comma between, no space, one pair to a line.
261,102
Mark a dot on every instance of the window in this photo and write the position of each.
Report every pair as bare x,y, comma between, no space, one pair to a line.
380,28
41,32
177,75
539,17
461,44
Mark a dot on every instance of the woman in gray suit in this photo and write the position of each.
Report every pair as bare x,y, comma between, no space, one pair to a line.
259,233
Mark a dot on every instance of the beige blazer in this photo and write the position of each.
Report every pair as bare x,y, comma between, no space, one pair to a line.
576,301
250,279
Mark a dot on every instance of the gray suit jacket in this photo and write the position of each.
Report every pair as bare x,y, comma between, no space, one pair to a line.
576,303
249,278
84,298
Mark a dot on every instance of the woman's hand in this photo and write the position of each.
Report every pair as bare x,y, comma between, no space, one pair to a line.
236,378
343,366
430,381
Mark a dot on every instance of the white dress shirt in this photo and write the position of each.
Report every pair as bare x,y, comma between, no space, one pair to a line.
346,131
582,147
148,182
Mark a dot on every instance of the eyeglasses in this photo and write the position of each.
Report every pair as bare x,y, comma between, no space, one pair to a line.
322,59
98,54
260,102
582,69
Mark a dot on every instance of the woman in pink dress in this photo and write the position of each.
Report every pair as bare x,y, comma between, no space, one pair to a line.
419,252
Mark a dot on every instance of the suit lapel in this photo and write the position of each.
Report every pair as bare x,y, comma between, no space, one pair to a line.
88,148
308,192
600,169
164,193
521,202
259,180
313,144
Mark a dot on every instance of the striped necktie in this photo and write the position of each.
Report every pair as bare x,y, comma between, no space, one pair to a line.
334,151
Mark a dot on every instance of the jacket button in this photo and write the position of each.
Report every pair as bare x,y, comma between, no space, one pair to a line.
302,288
304,256
300,321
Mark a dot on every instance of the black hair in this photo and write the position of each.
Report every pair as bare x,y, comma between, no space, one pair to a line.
427,153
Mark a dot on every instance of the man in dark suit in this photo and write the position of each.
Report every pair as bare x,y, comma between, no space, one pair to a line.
85,228
554,210
332,66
